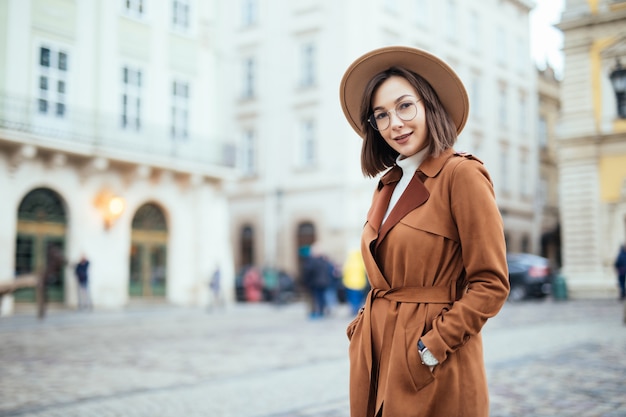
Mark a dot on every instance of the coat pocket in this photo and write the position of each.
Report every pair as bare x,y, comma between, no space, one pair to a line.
352,325
421,375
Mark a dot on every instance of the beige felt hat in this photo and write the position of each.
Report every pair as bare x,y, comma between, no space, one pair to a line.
439,75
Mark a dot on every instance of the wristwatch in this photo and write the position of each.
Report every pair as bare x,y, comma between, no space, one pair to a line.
427,357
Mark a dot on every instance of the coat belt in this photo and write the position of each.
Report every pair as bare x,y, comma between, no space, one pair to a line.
417,295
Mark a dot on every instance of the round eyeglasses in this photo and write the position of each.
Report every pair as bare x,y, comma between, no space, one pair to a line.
405,110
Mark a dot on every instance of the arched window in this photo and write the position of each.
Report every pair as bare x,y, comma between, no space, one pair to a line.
42,205
149,217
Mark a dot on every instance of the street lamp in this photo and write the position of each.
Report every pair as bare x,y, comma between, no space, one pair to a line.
111,207
618,80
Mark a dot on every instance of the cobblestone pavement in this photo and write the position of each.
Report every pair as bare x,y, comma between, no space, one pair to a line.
543,359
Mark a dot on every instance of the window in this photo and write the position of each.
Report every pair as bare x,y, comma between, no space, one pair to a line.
502,107
542,132
180,110
248,78
501,46
180,14
476,95
521,55
307,155
249,12
307,74
52,82
523,113
131,98
525,176
542,192
504,169
248,153
134,8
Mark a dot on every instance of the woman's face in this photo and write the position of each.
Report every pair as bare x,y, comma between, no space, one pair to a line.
395,100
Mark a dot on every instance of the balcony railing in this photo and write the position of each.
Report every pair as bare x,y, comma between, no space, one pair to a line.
91,133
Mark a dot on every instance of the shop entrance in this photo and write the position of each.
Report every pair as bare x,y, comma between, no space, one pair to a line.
148,253
41,228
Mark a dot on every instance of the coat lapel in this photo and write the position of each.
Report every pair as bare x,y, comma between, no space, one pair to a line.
414,196
380,203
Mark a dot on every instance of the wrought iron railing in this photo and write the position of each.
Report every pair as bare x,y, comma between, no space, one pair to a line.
93,133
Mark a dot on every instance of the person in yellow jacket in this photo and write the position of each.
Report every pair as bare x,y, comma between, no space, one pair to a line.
354,280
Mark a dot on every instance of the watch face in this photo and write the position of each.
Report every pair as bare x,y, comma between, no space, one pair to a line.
428,358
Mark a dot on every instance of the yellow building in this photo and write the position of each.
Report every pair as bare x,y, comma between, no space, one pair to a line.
592,146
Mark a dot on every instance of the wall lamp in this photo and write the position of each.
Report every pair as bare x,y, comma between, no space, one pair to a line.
618,80
110,206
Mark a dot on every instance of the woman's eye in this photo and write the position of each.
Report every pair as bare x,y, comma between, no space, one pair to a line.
405,105
380,116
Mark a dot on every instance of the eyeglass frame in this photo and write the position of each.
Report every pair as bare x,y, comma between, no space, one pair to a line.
388,113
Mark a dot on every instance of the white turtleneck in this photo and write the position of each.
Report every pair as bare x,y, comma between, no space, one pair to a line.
409,165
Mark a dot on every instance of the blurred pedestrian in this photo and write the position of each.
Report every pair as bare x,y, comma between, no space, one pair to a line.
620,268
253,285
317,278
331,293
433,244
354,280
271,284
82,277
215,290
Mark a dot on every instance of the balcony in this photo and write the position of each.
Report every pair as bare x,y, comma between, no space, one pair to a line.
90,134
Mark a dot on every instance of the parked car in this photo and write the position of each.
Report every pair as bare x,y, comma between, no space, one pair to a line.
531,276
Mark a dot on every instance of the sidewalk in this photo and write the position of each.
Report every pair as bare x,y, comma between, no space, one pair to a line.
543,359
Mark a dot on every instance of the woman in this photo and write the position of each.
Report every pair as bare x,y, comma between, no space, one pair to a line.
433,244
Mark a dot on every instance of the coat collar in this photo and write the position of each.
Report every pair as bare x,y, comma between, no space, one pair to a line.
414,196
432,166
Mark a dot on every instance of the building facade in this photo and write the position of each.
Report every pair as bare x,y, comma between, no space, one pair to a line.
282,62
549,93
592,146
109,148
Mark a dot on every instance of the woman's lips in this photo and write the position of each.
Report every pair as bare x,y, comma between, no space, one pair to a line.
402,138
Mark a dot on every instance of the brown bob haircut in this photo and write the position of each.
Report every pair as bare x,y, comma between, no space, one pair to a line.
376,154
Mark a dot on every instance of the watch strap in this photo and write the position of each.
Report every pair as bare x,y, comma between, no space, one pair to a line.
420,345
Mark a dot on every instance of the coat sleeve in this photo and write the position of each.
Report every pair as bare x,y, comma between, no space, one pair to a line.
483,250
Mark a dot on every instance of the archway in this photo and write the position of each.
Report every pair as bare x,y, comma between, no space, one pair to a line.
148,253
41,226
305,237
247,246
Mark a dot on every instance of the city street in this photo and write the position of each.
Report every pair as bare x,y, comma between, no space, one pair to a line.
544,359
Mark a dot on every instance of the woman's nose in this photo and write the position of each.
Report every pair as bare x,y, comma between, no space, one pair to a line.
394,119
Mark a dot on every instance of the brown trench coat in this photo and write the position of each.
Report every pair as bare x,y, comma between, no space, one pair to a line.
438,271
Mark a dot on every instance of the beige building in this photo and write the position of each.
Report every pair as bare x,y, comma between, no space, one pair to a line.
282,62
592,145
109,148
